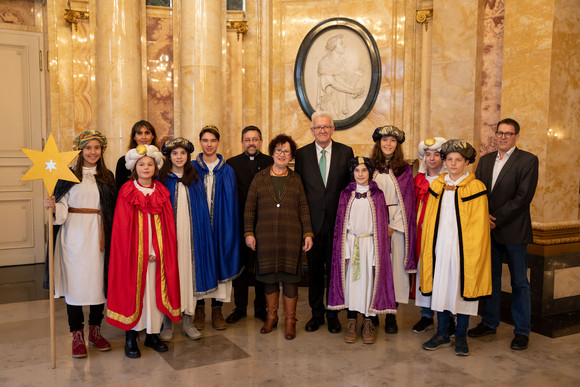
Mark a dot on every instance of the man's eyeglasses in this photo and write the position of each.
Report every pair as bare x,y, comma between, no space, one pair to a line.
504,134
318,128
284,152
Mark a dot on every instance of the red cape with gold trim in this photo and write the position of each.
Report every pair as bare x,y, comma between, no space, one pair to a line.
130,256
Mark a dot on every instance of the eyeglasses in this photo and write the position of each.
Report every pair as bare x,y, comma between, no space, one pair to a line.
504,134
318,128
255,139
284,152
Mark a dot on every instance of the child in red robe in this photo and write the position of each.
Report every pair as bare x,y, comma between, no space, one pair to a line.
143,271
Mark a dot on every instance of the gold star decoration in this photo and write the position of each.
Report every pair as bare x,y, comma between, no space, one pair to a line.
50,165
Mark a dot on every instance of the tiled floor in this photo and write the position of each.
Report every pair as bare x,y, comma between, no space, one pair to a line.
241,356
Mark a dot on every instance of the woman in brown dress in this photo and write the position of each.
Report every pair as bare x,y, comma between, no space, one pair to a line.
276,221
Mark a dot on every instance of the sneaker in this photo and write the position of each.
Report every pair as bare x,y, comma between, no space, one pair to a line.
437,342
235,316
368,331
461,348
350,335
480,330
199,317
97,339
391,324
167,329
423,324
79,348
188,328
520,342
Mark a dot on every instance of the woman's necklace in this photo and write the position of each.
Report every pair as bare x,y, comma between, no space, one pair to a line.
273,173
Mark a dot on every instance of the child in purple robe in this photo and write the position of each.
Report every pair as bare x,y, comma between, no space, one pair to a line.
361,277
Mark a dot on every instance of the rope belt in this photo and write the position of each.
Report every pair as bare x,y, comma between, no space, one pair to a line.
356,255
73,210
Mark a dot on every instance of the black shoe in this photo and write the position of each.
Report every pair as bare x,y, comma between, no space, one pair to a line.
261,314
153,341
391,324
461,347
375,321
480,330
520,342
333,325
423,324
131,347
235,316
314,323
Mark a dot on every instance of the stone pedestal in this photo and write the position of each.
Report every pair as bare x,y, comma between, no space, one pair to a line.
554,273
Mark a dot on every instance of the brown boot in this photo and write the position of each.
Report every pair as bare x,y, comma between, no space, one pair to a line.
350,336
290,312
217,318
199,318
272,310
368,331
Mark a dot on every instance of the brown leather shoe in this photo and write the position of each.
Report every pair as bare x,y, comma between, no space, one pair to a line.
290,313
350,336
217,318
272,301
368,331
199,318
96,339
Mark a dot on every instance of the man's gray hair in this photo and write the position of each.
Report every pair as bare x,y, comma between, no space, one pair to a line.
322,113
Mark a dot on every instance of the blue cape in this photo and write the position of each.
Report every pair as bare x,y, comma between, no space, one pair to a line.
204,261
225,223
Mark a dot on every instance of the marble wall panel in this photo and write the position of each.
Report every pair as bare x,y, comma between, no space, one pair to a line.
292,20
18,14
82,72
160,91
567,282
454,87
493,23
539,87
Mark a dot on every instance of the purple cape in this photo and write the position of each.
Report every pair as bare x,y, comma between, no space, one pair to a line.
383,299
407,187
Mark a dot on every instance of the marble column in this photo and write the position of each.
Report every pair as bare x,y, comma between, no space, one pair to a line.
119,79
456,58
426,52
201,29
233,83
541,90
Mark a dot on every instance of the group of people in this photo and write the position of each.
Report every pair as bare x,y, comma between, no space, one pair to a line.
166,232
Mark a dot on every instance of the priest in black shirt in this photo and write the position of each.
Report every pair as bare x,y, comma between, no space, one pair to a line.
246,165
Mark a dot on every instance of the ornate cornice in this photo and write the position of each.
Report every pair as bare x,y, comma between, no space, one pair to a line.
240,26
556,232
72,16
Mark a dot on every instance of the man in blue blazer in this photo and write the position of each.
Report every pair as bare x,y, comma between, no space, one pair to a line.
323,166
511,176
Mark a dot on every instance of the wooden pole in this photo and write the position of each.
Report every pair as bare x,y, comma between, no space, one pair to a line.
51,289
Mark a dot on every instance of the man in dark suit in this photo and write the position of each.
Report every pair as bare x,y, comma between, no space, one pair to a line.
511,176
323,166
246,165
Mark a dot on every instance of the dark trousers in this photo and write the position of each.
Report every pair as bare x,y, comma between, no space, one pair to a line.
243,282
490,308
76,317
319,263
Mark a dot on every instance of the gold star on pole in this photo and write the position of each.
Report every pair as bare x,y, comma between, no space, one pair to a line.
50,165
